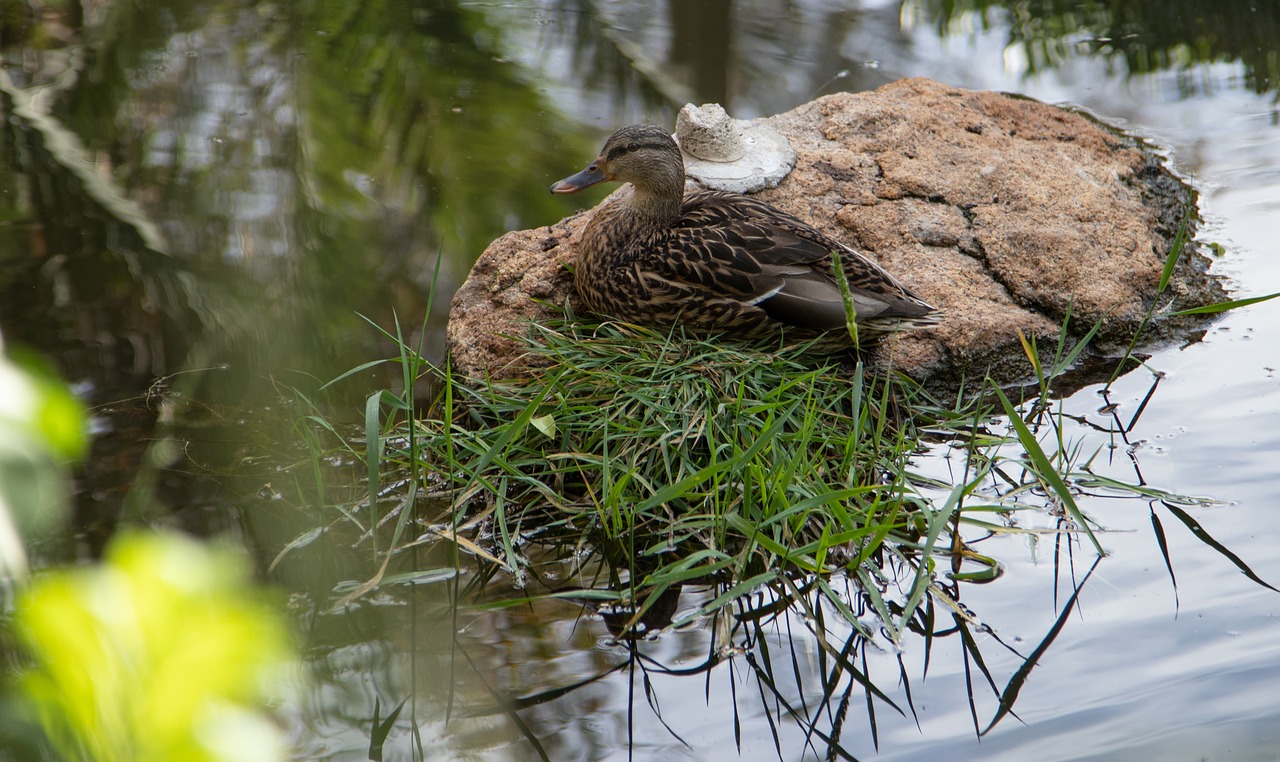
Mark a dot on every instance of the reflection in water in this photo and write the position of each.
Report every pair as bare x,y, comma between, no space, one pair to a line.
1147,35
702,35
755,57
808,667
758,57
303,166
307,161
323,167
779,658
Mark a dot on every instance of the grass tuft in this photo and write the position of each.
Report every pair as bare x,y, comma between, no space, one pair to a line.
679,460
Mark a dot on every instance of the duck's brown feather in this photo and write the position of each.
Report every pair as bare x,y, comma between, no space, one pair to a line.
719,262
736,265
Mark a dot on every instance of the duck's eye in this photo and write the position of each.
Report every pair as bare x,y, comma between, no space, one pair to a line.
633,146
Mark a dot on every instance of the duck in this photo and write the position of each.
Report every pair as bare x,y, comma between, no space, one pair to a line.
720,263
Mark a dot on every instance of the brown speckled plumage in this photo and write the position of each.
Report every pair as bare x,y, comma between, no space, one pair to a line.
719,262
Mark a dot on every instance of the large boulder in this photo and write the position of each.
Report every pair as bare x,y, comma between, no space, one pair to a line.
1003,212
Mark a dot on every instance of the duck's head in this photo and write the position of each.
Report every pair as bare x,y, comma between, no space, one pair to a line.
641,154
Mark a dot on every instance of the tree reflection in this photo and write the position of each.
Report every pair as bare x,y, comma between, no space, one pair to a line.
299,165
760,57
1146,35
324,155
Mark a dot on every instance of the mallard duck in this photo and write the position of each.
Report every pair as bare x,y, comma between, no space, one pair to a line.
716,262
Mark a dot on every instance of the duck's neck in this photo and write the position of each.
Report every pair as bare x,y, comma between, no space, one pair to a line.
651,206
658,197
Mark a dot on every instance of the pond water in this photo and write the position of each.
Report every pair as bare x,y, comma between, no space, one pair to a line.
202,199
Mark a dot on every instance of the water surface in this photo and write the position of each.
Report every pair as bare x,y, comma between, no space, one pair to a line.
246,181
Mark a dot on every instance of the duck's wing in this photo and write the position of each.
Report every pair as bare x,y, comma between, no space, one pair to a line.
739,248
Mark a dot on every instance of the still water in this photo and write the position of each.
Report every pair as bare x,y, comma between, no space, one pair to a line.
202,199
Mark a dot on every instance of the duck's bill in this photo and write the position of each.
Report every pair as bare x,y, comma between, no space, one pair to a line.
584,179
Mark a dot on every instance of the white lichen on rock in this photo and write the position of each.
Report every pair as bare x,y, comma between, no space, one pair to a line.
722,153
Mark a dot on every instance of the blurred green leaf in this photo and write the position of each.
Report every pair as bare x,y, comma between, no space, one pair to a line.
42,426
36,404
162,652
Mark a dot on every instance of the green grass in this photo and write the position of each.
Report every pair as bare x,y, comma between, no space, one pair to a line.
676,460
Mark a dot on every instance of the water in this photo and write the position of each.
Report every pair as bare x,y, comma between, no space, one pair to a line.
249,178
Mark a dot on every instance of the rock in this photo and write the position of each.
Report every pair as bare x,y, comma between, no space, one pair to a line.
1003,212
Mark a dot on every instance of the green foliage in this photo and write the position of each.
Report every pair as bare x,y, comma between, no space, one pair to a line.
42,428
162,652
676,459
1045,467
36,405
681,433
850,309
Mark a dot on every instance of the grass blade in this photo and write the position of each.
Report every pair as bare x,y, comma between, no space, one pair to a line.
1044,468
1213,309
